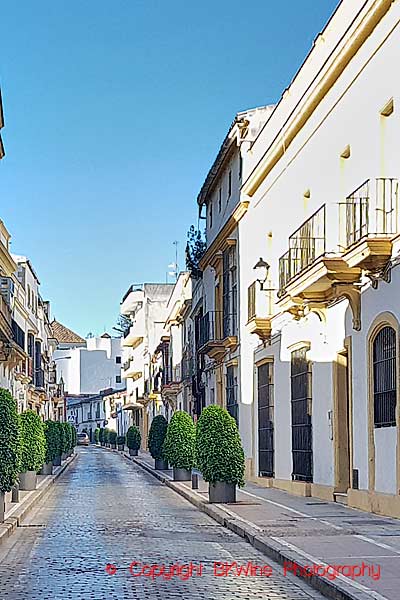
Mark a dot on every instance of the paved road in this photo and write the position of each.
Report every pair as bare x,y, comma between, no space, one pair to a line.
105,510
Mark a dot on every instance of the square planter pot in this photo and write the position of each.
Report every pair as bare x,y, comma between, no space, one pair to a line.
121,447
47,469
133,452
2,506
222,492
182,474
57,461
27,481
114,446
161,464
64,456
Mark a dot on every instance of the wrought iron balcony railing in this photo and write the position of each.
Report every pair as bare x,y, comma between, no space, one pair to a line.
371,210
306,244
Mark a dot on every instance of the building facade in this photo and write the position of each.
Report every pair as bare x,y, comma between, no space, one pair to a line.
145,305
320,376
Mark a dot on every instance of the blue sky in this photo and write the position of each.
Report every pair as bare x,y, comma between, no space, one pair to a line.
114,112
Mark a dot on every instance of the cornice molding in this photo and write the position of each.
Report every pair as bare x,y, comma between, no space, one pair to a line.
303,111
220,240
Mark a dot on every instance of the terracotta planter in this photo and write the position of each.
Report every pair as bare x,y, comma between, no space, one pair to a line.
222,492
182,474
27,481
133,452
57,461
47,469
161,464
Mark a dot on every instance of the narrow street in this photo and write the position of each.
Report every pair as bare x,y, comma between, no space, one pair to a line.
104,510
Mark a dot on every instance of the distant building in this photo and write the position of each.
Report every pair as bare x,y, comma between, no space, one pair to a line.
87,366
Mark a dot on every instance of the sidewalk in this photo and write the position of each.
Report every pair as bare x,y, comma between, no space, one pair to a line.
16,511
307,531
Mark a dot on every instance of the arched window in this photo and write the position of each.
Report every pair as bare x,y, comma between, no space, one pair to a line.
384,373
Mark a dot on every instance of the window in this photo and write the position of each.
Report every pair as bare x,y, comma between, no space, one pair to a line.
229,291
118,379
384,377
210,222
118,360
219,199
230,184
301,405
251,301
240,166
231,393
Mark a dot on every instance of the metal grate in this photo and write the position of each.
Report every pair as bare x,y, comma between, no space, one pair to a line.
265,420
301,402
231,394
384,369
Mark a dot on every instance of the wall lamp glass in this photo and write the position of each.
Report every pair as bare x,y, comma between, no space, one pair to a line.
262,269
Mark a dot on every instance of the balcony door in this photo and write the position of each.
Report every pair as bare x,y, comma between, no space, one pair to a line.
301,405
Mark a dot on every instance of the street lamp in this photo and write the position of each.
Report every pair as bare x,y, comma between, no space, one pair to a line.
261,268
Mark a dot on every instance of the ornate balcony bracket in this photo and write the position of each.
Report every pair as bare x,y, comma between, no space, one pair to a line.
384,275
262,328
353,294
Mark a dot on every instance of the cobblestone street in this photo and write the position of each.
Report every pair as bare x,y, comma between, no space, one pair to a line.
104,510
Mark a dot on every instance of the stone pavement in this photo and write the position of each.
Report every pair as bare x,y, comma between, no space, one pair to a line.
105,510
16,511
310,531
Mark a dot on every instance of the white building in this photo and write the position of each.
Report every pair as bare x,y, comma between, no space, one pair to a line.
321,376
146,307
176,348
217,332
87,366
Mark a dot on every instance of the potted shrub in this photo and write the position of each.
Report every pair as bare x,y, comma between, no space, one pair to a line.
33,449
180,445
65,440
158,430
106,437
97,435
133,440
219,453
51,435
74,438
121,442
101,436
10,448
112,438
60,433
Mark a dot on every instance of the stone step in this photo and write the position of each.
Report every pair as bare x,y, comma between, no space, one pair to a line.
340,497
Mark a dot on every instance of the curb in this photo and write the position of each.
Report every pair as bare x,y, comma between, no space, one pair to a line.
341,590
11,523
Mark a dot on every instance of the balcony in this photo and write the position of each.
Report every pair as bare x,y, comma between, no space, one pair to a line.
218,332
260,326
171,379
18,335
371,221
136,332
130,370
132,300
5,319
320,266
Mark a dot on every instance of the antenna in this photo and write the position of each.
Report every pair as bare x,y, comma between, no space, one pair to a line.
174,265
